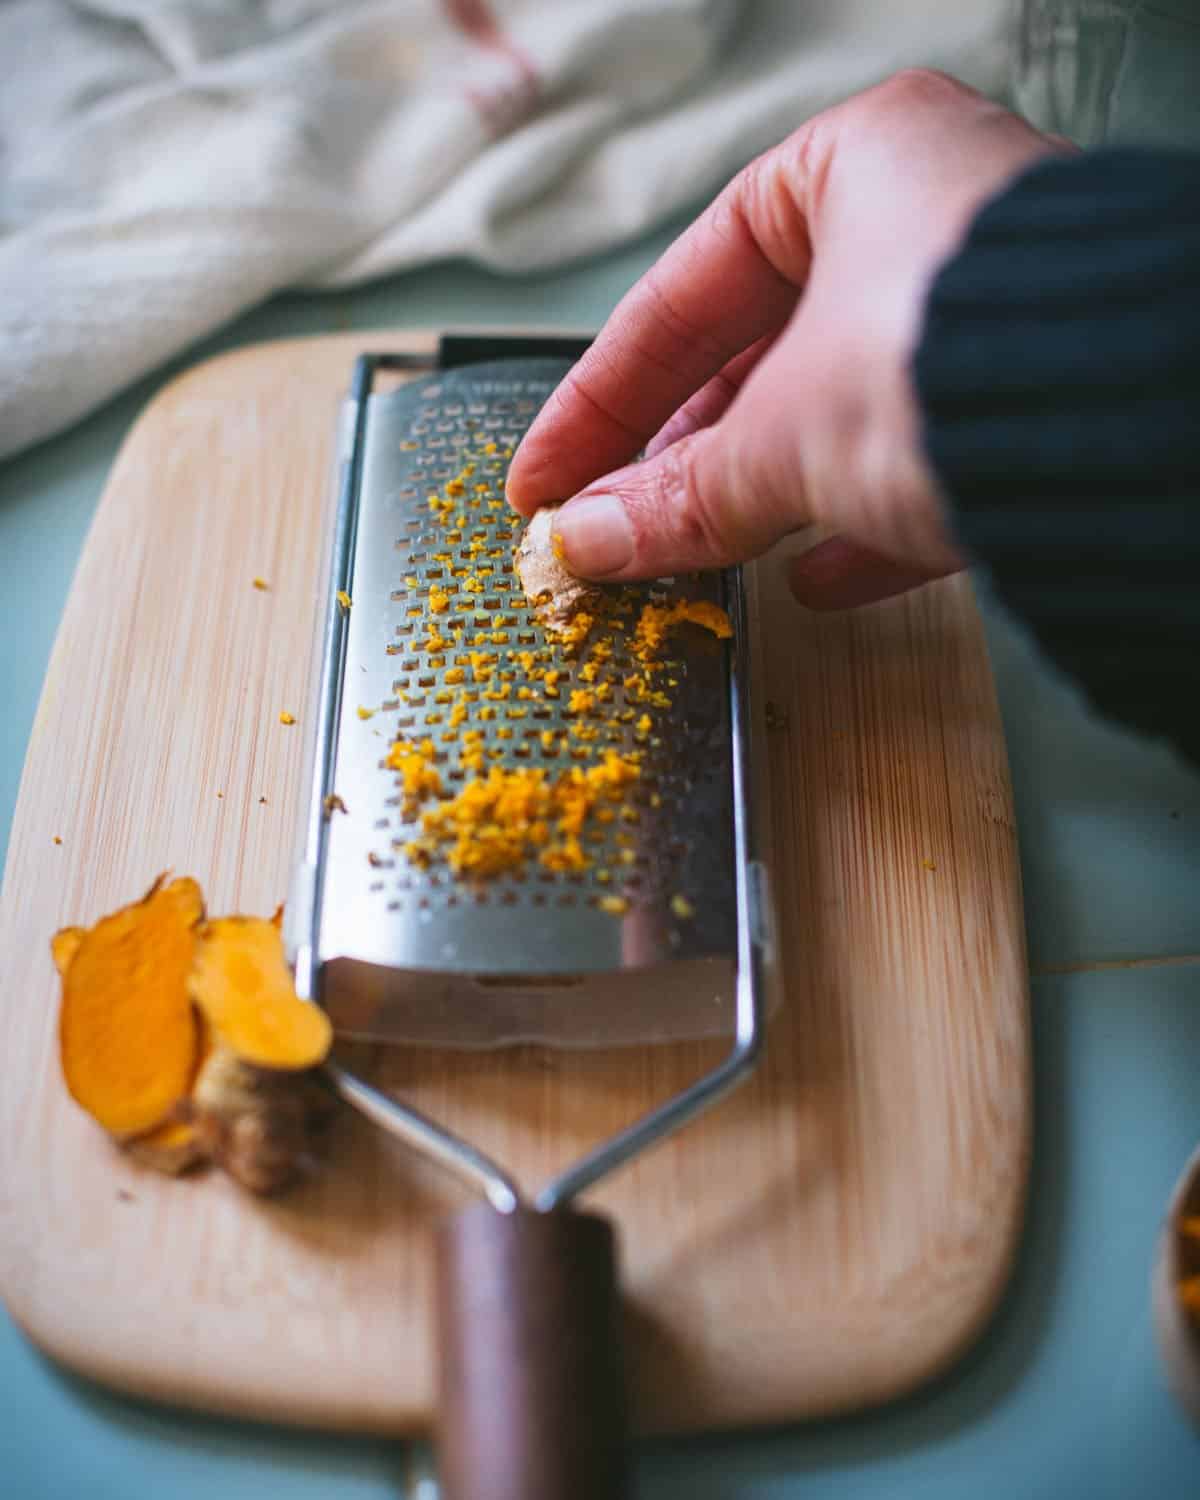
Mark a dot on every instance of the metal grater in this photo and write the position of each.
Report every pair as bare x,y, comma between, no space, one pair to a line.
530,1382
400,953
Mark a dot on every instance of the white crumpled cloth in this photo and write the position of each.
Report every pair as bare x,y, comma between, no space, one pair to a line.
165,164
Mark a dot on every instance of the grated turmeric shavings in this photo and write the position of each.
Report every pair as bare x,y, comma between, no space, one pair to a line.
344,601
419,776
656,620
287,718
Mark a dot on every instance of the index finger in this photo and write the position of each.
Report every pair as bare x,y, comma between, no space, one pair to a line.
731,278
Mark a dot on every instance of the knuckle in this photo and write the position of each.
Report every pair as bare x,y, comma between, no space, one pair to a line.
686,499
764,203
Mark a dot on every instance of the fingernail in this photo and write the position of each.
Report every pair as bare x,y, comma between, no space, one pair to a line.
596,536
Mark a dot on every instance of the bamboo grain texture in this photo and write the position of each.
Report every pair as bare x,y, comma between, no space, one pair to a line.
836,1233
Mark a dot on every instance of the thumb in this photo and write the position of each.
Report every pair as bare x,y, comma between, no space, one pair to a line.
721,495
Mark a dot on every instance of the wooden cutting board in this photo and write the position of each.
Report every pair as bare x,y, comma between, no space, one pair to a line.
836,1233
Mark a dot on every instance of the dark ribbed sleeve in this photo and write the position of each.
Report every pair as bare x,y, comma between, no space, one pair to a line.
1059,379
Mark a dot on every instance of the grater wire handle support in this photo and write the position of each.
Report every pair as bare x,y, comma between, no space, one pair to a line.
430,1139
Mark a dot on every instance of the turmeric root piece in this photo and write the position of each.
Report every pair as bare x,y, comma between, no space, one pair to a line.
127,1032
242,986
550,586
265,1127
172,1147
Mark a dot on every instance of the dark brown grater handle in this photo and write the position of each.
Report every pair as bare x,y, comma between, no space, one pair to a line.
531,1391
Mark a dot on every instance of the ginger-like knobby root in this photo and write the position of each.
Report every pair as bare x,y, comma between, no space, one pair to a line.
264,1126
550,586
128,1035
243,1092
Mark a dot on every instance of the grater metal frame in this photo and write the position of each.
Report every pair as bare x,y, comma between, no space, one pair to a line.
753,940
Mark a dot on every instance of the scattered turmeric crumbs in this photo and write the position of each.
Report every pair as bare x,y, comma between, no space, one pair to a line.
344,601
261,584
287,718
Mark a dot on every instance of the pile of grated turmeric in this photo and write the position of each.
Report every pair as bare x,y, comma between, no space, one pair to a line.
503,818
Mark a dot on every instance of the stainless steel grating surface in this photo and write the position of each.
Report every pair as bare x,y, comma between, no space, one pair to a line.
441,644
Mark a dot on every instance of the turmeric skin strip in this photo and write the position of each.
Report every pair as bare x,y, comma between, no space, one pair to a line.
127,1033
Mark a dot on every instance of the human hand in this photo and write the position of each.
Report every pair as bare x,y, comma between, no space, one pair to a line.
763,362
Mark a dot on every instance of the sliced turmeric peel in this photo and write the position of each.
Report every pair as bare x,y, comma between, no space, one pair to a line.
241,984
127,1033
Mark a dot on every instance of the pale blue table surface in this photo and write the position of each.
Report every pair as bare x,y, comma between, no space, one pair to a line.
1064,1396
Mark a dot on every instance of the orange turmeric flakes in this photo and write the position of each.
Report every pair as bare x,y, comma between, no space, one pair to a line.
128,1037
485,828
656,620
498,821
574,632
566,857
1189,1294
418,774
